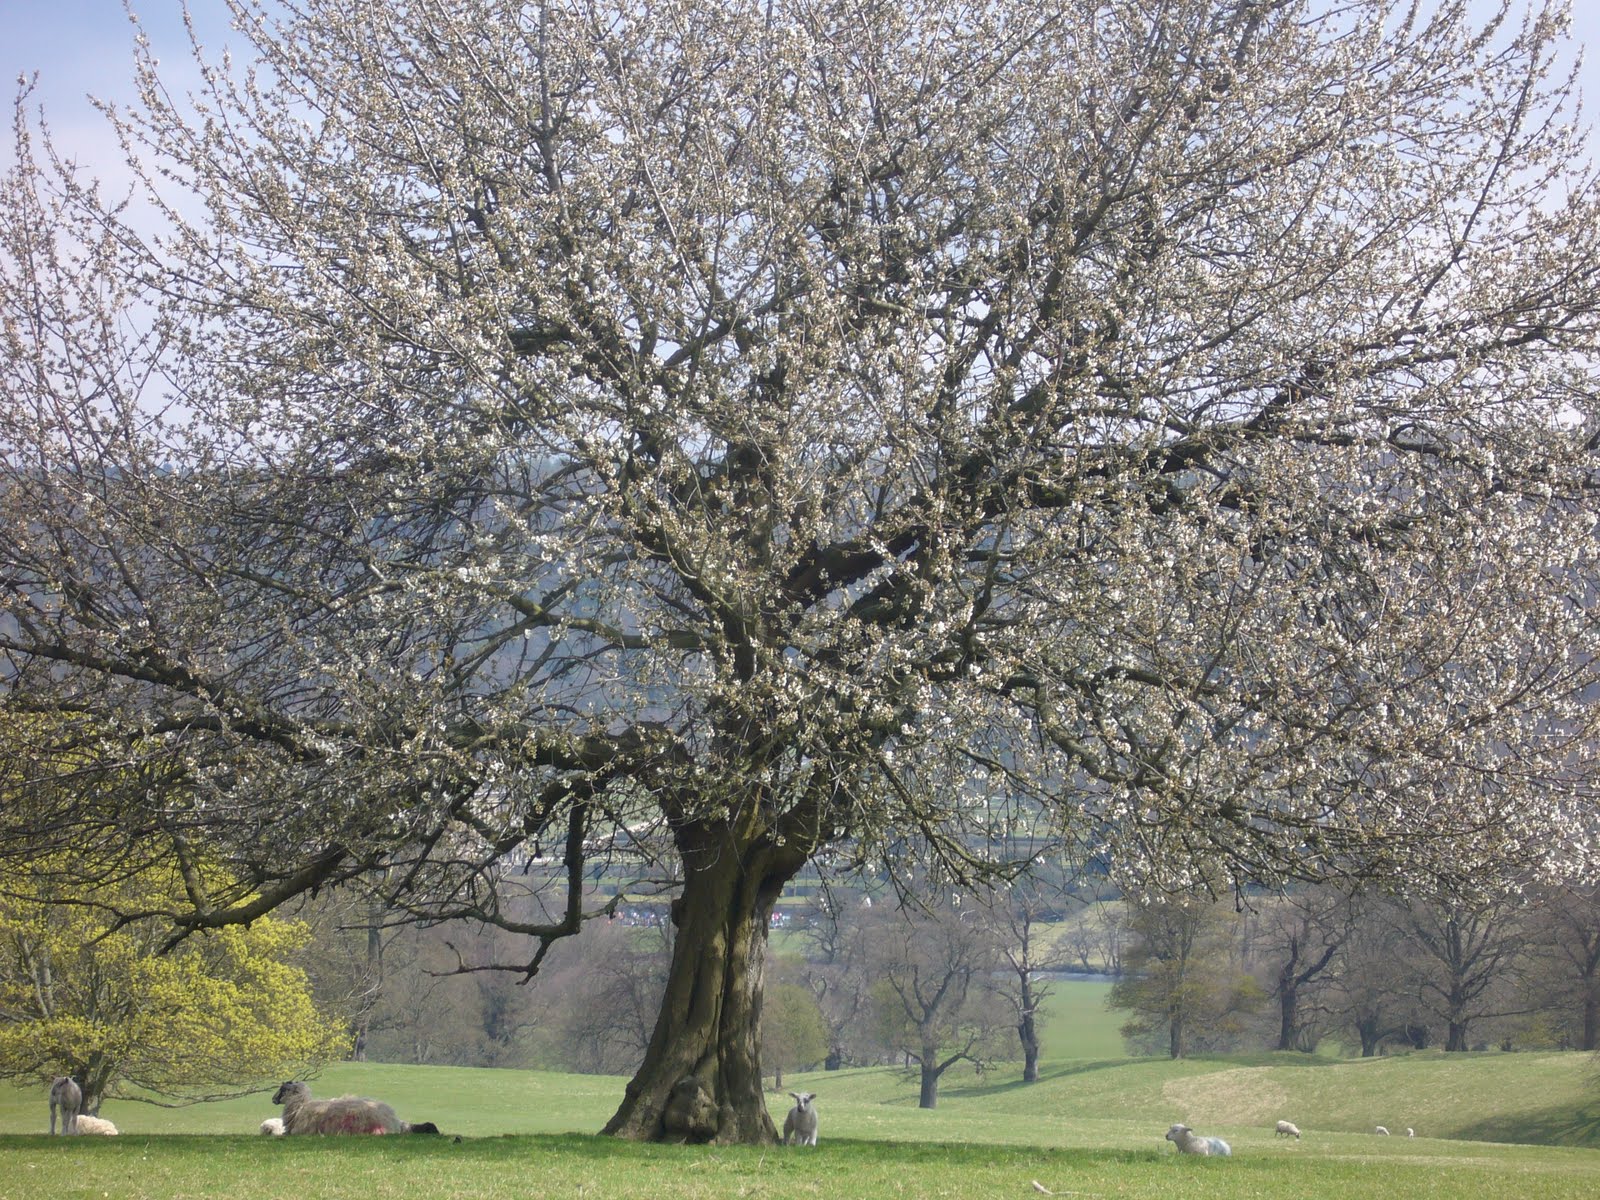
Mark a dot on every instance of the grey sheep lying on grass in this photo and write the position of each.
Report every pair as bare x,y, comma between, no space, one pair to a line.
342,1114
1190,1142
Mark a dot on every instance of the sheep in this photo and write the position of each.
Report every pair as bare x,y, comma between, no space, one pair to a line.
88,1124
1190,1142
1288,1129
1380,1130
1410,1132
272,1127
66,1096
800,1126
344,1114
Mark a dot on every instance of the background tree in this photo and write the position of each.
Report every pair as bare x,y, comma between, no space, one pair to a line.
1182,978
1093,940
728,430
794,1036
1017,917
1299,941
85,995
1374,990
837,935
603,992
934,992
1563,928
1464,955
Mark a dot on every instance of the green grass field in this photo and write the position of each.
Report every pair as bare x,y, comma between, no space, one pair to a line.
1092,1127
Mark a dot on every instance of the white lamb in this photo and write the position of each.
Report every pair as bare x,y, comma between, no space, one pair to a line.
1190,1142
800,1126
96,1125
1379,1129
272,1127
1288,1129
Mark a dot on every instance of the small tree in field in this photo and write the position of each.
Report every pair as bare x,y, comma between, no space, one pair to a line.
1300,939
794,1037
1564,929
1017,920
1182,980
80,995
719,431
934,996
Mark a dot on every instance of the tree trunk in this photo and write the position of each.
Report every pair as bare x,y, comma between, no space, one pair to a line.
1288,1009
1030,1049
1028,1032
929,1097
1456,1038
1370,1037
1175,1036
700,1080
1591,1021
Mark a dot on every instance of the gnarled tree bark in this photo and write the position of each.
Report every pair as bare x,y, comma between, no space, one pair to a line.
709,1025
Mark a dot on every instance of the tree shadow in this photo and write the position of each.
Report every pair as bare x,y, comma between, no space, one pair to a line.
1046,1075
1556,1126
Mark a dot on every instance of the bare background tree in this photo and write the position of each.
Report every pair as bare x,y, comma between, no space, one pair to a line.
934,1004
548,439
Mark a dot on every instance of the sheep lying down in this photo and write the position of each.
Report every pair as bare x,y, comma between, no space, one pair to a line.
342,1114
1190,1142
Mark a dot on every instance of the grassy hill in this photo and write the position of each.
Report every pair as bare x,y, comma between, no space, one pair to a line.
1091,1128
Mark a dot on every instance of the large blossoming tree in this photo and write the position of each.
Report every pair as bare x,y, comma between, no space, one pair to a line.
743,428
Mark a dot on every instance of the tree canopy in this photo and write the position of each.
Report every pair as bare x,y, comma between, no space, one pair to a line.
730,430
82,995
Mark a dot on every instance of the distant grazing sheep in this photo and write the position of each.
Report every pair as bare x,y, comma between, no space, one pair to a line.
343,1114
1288,1129
800,1126
67,1097
273,1127
1410,1132
1380,1130
1190,1142
88,1124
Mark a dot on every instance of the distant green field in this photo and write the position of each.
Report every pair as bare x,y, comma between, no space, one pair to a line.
1077,1024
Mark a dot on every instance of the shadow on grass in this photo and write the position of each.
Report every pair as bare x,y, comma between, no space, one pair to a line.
1090,1066
1559,1126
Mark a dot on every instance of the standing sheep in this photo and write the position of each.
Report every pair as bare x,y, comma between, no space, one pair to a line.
800,1126
66,1096
1288,1129
1190,1142
88,1124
